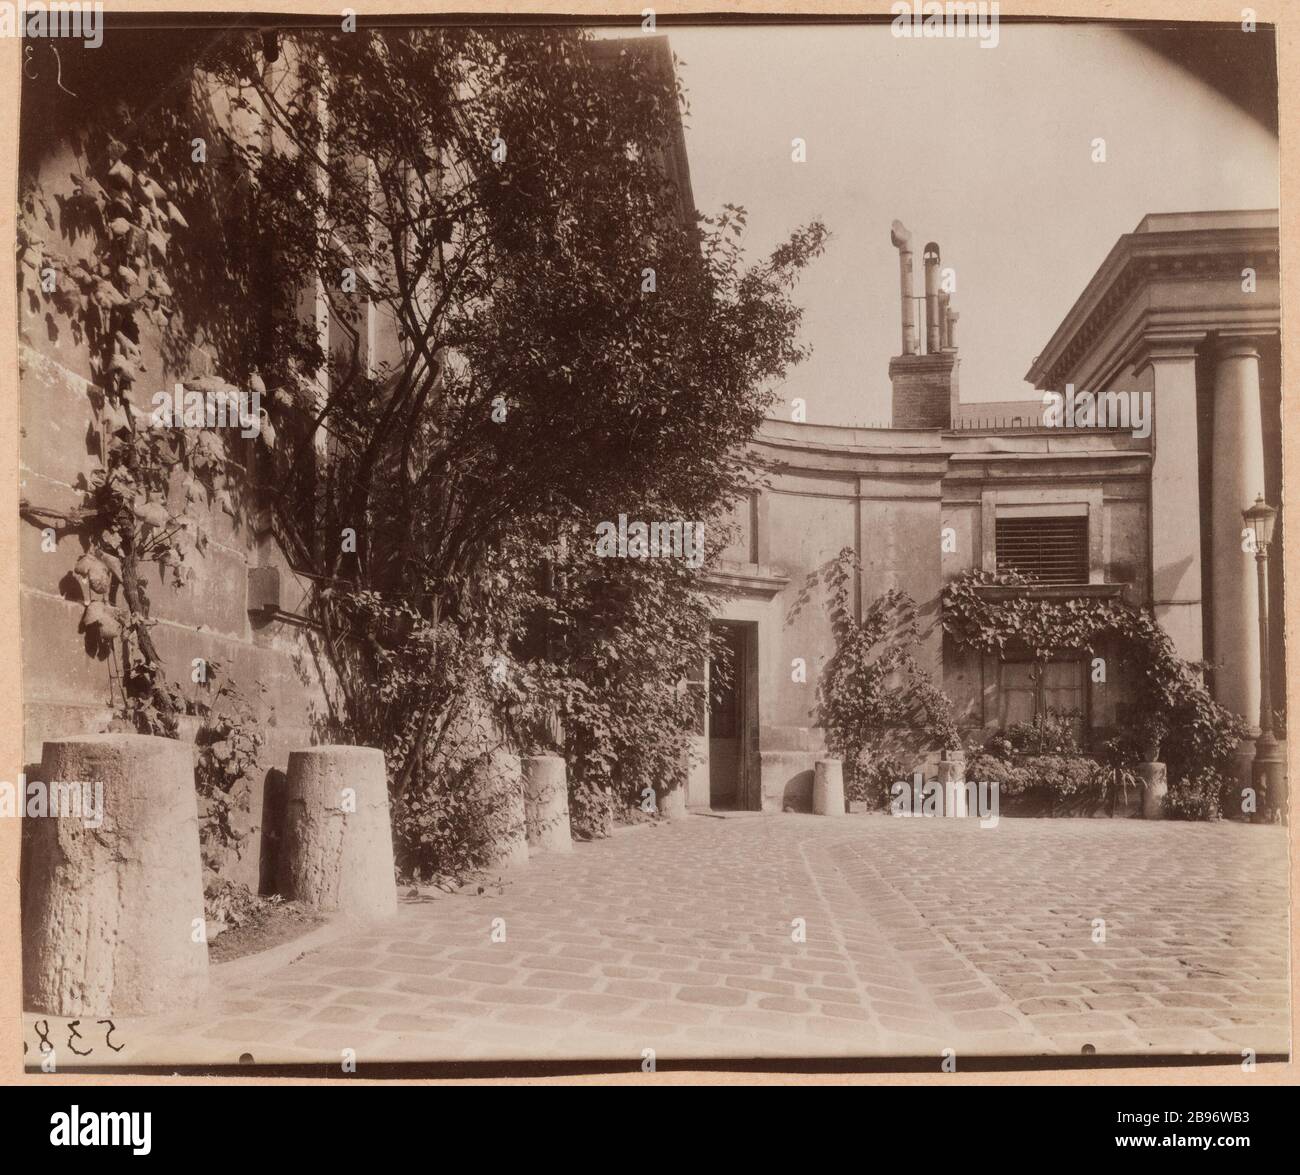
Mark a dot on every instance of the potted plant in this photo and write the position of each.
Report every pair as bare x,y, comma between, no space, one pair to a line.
1151,733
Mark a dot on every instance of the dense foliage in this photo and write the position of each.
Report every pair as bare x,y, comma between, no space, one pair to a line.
1169,696
227,746
1169,712
94,265
572,349
875,702
529,333
1040,770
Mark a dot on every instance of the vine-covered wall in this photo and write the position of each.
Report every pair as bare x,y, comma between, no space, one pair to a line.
192,291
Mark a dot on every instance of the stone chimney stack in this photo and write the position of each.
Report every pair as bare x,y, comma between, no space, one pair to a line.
925,385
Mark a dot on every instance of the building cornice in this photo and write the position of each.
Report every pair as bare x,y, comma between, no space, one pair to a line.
1219,251
747,580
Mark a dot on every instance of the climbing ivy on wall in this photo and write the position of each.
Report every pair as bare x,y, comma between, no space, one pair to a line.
1170,704
97,271
411,482
94,267
872,689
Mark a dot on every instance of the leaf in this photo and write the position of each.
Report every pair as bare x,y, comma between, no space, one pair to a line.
103,619
123,367
116,418
153,513
150,188
123,174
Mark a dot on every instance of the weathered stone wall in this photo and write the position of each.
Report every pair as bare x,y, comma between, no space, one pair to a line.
888,495
67,689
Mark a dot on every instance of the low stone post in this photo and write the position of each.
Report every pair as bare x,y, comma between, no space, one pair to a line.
1155,786
338,841
546,803
113,901
672,803
501,791
952,779
828,787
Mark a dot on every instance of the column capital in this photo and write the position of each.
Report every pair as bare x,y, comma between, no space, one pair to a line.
1169,347
1240,344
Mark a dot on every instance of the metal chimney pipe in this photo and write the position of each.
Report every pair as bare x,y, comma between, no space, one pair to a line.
902,241
943,319
952,329
931,259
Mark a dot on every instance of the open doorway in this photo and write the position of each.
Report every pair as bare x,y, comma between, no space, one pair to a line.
733,717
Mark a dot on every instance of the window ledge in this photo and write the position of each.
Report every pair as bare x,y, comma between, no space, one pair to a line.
1052,591
749,579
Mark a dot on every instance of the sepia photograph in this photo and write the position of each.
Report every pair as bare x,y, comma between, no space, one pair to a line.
634,540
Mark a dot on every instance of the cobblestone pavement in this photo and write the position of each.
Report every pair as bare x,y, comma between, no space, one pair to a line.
921,935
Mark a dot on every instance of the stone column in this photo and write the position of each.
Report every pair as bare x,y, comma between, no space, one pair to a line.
828,787
1155,787
499,781
672,802
951,774
546,802
113,895
338,848
1175,491
1238,477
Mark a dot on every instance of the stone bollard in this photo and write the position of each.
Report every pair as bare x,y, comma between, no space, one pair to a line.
546,803
1155,786
114,895
672,803
952,779
501,790
828,787
338,841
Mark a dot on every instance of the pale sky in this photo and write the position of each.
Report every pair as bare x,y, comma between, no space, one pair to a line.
986,151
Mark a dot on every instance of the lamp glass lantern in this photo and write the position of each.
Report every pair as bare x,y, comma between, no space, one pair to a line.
1259,518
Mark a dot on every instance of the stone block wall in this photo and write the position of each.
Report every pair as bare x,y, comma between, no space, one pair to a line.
67,688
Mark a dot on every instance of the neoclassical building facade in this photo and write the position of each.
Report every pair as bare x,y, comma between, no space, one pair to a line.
1184,313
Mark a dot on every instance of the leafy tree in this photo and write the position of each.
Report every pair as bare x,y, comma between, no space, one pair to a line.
502,235
620,638
525,337
568,348
872,690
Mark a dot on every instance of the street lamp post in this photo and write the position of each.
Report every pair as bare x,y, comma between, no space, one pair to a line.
1270,762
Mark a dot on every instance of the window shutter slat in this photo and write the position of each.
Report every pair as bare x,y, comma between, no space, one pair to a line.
1050,550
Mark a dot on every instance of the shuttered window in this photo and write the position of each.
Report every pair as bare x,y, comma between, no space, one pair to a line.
1051,550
